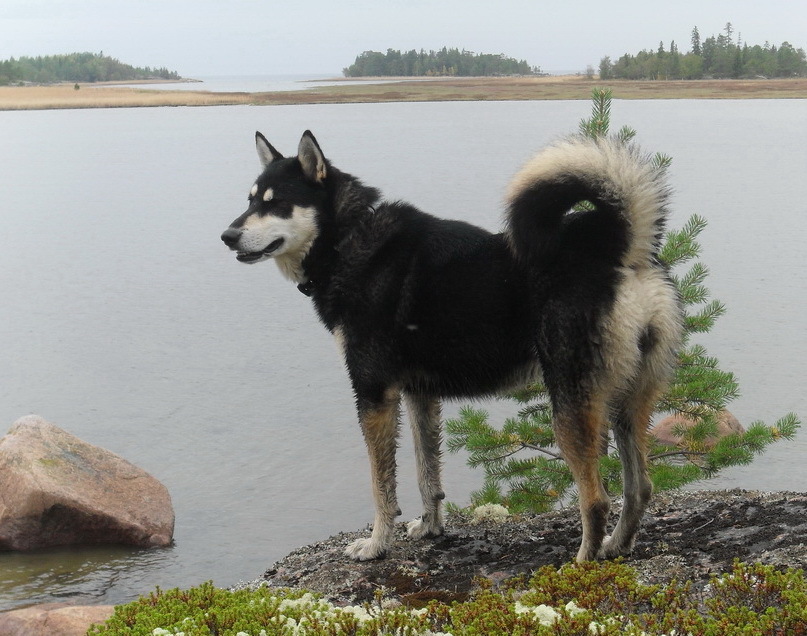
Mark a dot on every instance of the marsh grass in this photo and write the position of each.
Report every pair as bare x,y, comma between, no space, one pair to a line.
406,90
89,96
538,88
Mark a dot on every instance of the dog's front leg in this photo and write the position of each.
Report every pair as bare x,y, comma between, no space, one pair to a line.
379,423
424,416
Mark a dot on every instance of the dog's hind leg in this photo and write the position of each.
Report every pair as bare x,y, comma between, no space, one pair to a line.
424,416
630,433
379,423
658,344
578,433
631,425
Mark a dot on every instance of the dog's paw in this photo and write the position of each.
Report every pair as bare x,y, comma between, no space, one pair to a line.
365,550
611,550
419,529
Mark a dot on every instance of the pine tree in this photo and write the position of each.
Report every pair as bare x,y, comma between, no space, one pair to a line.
696,42
523,469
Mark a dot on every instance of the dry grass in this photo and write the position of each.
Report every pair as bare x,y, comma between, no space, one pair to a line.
406,90
65,96
538,88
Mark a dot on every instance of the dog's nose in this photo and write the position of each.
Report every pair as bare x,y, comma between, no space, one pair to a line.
230,236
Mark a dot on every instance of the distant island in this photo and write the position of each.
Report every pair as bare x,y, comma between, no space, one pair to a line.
76,67
443,63
716,57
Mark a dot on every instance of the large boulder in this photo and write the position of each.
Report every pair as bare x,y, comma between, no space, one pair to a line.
56,489
53,619
664,431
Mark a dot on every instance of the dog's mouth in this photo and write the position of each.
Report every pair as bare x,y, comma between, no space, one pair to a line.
252,257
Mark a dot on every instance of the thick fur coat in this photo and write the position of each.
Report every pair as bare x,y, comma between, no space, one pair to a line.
427,309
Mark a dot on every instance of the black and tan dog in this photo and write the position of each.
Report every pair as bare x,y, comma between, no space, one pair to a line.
428,309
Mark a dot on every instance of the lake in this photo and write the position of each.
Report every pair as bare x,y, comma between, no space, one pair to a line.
126,322
257,83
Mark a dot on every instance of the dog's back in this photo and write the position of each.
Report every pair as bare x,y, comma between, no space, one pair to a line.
433,306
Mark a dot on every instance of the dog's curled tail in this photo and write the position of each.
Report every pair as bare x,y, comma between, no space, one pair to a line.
627,191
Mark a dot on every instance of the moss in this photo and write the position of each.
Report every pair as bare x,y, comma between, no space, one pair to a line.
577,599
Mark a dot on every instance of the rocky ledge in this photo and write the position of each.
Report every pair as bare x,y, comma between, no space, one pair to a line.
685,535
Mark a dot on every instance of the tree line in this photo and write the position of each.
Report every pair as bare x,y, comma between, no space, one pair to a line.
76,67
715,57
445,62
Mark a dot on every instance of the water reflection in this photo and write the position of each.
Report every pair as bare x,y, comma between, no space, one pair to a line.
86,574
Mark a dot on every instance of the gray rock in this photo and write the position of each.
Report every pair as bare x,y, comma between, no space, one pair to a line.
685,535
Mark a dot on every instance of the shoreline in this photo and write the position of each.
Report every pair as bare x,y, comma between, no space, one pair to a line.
673,543
381,90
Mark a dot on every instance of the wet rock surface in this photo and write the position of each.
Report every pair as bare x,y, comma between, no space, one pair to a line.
686,535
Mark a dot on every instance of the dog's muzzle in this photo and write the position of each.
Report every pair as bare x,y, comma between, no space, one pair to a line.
231,236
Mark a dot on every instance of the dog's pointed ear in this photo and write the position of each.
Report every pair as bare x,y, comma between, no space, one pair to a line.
311,158
266,152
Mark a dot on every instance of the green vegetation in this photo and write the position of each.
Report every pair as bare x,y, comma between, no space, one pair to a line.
76,67
444,62
522,468
578,599
714,57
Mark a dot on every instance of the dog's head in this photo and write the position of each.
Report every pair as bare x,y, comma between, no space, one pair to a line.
281,219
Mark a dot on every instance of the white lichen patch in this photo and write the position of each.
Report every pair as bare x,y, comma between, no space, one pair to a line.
490,512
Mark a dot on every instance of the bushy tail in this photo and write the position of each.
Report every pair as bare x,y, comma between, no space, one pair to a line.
628,194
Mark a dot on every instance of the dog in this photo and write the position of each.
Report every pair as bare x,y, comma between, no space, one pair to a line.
428,309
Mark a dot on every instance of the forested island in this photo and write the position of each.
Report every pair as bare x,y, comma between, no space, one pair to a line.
716,57
76,67
443,63
719,67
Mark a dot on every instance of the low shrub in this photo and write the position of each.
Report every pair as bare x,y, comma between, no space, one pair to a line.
587,599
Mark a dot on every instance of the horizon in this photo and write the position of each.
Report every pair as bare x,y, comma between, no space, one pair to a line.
249,38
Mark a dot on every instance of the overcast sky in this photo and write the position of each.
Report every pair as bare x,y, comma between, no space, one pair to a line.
266,37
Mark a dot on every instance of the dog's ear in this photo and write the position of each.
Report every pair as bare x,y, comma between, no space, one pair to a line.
266,152
311,158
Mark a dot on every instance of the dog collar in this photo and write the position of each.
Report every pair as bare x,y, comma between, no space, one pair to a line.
306,288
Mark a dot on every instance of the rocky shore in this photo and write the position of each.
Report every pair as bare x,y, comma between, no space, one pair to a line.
685,535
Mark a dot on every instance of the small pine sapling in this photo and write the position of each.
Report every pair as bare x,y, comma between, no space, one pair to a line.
524,471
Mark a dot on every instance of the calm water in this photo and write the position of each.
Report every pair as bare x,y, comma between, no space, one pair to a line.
125,321
257,83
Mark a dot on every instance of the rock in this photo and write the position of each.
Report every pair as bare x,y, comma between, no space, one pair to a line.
53,619
727,424
58,490
685,535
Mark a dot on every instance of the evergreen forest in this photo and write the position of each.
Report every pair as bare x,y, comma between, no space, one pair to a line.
76,67
720,57
445,62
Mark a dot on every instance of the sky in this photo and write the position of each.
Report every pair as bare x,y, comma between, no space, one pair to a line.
200,38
